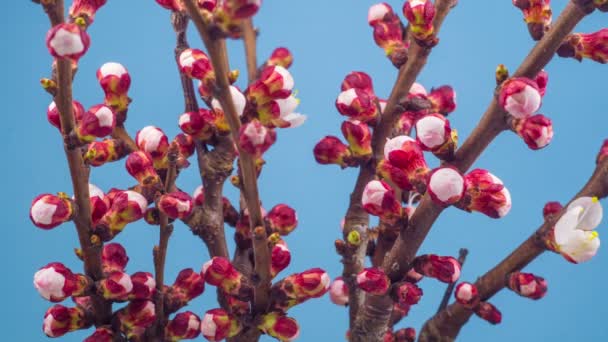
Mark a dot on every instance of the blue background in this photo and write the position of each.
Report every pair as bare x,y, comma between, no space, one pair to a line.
329,39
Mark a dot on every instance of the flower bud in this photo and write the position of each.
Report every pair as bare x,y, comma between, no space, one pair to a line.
542,79
443,100
536,130
60,320
105,151
400,311
144,286
446,186
405,154
99,203
373,281
85,9
443,268
551,208
280,56
127,206
154,141
184,326
140,165
221,273
172,5
527,285
275,82
52,113
330,150
280,257
116,286
574,236
189,284
592,45
358,80
114,78
380,12
386,170
185,145
538,16
520,97
196,64
282,219
218,325
281,113
255,138
379,200
55,282
359,138
420,14
176,205
405,335
388,35
406,293
338,292
488,312
300,287
486,194
101,334
48,211
98,122
136,317
467,295
241,9
113,258
357,104
279,326
239,101
67,41
198,124
433,133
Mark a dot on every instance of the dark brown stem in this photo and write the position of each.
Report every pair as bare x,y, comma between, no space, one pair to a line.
121,134
462,257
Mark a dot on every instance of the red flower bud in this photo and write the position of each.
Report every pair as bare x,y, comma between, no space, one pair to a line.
373,280
240,9
420,14
330,150
184,326
300,287
536,130
486,194
527,285
196,64
55,282
280,56
185,145
136,317
52,113
218,325
114,78
101,334
443,99
406,293
48,211
446,186
520,97
127,206
198,124
85,9
189,284
603,152
67,41
280,257
405,154
113,258
359,138
542,79
221,273
154,141
140,165
116,286
102,152
144,286
279,326
386,170
357,104
275,82
358,80
379,200
98,122
592,45
338,292
537,14
443,268
282,219
467,295
551,208
488,312
405,335
59,320
255,138
172,5
176,205
380,12
99,203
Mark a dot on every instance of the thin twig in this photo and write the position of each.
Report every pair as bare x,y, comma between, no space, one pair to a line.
462,257
249,39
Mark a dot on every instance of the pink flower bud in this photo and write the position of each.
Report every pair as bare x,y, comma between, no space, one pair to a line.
189,283
338,292
127,206
275,82
172,5
60,320
406,293
279,326
154,141
551,208
184,326
176,205
282,219
312,283
380,12
114,78
433,133
443,100
373,280
116,286
55,282
592,45
359,137
379,200
542,79
99,203
198,124
443,268
113,258
48,211
52,113
446,186
67,41
221,273
136,317
85,9
241,9
196,64
520,97
101,334
536,130
144,286
488,312
102,152
218,325
280,257
486,194
98,122
527,285
537,14
330,150
358,80
255,138
420,14
405,154
140,165
467,295
357,104
185,144
280,56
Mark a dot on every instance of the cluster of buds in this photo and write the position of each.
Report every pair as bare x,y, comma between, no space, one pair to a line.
153,140
176,205
535,130
282,219
101,152
59,320
537,14
467,295
591,45
404,164
434,134
388,32
406,293
184,326
485,193
85,10
187,286
67,41
420,14
300,287
379,199
115,81
48,211
221,273
443,268
279,326
218,325
55,282
373,281
338,292
125,207
573,235
527,285
488,312
135,318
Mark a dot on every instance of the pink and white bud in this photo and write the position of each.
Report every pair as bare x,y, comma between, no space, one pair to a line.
338,292
443,99
114,78
99,203
67,41
488,312
486,194
198,124
405,335
420,14
379,199
196,64
282,219
443,268
275,82
574,233
127,206
280,257
446,186
85,9
527,285
239,101
48,211
55,282
380,12
406,293
433,132
135,318
144,286
52,113
184,326
220,272
116,286
113,258
404,153
279,326
313,283
102,152
520,97
373,281
154,141
255,138
281,113
140,165
536,130
359,137
357,104
330,150
217,325
280,56
467,295
98,122
60,320
176,205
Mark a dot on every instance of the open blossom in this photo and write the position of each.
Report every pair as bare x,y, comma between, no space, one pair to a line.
443,99
280,326
116,286
536,130
442,268
433,133
404,153
184,326
420,14
406,293
98,122
176,205
446,186
357,104
486,194
527,285
520,97
338,292
275,82
574,234
67,41
373,280
136,317
537,14
48,211
280,56
330,150
379,199
282,219
255,138
467,295
52,113
140,165
59,320
113,258
217,325
591,45
488,312
55,282
359,137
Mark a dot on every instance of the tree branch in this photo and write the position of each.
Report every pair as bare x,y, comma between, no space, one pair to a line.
249,39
